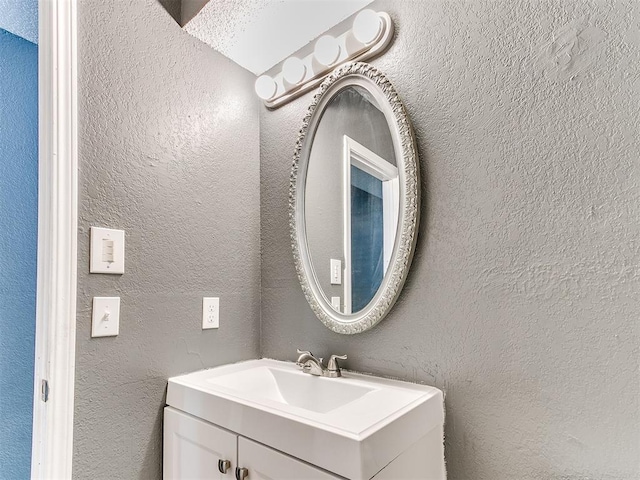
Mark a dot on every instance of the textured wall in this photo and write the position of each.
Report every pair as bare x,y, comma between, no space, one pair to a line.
18,245
189,9
168,146
522,302
20,17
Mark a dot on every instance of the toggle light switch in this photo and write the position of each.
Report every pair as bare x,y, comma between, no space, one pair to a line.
107,251
105,320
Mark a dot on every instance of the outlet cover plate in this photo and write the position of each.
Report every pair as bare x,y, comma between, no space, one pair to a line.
336,271
210,312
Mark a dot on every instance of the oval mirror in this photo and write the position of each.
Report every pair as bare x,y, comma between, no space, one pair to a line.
354,199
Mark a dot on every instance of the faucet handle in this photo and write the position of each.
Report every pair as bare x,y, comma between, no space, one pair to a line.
333,363
305,352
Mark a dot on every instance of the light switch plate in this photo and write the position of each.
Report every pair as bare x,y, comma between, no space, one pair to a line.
107,251
105,320
210,312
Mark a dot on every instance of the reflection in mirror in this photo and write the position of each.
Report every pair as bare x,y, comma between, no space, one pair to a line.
351,200
371,205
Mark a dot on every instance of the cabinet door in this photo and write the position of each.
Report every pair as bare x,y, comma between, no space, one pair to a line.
193,448
264,463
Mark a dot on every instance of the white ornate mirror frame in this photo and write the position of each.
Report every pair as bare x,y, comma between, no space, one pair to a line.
368,77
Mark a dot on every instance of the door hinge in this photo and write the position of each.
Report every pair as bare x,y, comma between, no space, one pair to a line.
44,390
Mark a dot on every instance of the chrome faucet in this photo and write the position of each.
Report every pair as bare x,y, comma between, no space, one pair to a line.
313,365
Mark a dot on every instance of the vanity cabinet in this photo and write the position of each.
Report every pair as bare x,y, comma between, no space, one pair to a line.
266,419
193,448
197,450
264,463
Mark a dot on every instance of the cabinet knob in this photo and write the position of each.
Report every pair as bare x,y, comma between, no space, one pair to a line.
241,473
223,466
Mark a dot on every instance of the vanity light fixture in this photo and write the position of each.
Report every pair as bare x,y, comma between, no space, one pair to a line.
293,70
327,50
266,87
369,35
367,26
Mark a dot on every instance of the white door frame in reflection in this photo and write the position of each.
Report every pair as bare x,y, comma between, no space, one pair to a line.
355,154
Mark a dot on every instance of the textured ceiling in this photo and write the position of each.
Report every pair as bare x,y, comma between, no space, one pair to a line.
20,17
258,34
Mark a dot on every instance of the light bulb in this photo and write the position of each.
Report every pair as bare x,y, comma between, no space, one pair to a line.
293,70
367,26
265,87
327,50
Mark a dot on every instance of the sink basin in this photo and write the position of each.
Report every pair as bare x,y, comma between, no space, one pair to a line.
353,425
308,392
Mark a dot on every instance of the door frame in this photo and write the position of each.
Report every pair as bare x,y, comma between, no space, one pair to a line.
52,440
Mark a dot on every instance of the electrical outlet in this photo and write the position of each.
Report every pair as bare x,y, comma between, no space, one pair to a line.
336,272
210,312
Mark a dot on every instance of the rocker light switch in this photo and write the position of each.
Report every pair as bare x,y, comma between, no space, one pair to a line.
107,251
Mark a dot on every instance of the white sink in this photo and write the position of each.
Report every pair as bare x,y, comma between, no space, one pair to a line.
353,425
281,385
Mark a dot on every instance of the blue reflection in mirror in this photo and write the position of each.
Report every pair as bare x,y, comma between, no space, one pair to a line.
367,237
